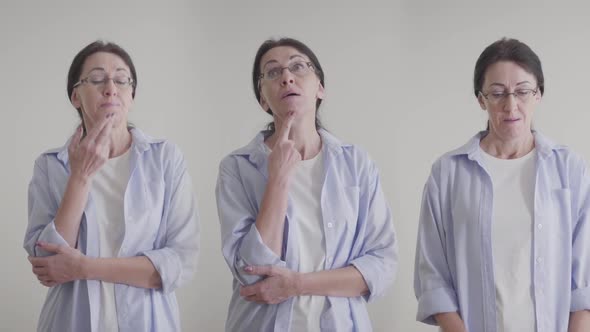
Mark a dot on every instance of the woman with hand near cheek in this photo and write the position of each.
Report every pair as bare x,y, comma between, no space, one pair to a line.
112,218
306,230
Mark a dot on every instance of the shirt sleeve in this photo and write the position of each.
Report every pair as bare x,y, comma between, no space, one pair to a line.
432,278
42,207
241,242
176,261
580,297
378,258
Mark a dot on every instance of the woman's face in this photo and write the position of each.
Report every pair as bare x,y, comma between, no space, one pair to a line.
510,116
104,89
289,91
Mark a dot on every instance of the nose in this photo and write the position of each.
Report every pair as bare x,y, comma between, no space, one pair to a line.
110,89
287,77
510,103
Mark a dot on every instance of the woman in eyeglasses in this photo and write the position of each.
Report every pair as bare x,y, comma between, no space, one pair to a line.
505,220
112,218
306,229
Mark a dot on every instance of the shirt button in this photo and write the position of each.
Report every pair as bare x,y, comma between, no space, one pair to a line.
540,226
330,225
329,259
539,259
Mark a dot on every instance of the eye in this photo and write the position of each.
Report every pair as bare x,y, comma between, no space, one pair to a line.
297,67
96,79
273,73
523,92
121,80
497,94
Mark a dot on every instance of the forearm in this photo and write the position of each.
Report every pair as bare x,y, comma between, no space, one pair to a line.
134,271
69,213
450,322
344,282
579,321
270,221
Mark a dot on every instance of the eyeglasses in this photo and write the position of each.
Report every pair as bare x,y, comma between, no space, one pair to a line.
299,68
498,97
122,82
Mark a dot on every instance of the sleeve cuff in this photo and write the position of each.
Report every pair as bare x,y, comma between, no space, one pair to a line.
254,252
436,301
50,235
167,263
580,299
376,278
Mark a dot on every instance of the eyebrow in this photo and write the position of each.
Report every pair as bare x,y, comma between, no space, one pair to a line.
503,86
102,69
290,58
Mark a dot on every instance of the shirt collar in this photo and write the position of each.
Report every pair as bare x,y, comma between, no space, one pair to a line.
140,142
256,152
543,145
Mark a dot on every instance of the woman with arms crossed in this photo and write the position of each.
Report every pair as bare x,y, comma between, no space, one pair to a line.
306,229
112,217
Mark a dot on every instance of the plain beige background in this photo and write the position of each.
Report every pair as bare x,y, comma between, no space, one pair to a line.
398,83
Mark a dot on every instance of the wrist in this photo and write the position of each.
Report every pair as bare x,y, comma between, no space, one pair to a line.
86,272
278,182
79,180
301,284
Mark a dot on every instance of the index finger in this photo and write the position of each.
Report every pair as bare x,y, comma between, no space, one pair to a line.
261,270
51,247
285,129
93,133
105,133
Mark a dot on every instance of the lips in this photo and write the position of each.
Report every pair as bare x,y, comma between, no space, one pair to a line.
109,105
289,94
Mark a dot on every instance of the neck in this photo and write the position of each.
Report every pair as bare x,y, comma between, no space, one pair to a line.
305,136
307,141
120,141
511,148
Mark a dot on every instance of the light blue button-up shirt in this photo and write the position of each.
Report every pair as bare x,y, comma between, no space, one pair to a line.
160,223
357,225
454,264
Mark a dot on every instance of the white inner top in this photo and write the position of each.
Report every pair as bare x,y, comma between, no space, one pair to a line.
512,229
108,193
305,193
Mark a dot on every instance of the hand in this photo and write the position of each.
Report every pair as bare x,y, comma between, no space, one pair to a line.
65,266
88,154
279,285
284,157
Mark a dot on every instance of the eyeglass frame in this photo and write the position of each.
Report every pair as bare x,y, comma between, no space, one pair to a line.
506,94
130,83
309,64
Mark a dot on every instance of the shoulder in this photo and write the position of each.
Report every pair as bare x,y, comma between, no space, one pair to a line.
562,155
251,154
49,159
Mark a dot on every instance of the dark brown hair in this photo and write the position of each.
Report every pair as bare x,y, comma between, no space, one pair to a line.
95,47
299,46
508,49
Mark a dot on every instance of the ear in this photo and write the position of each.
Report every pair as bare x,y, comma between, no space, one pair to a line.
75,99
481,101
320,93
